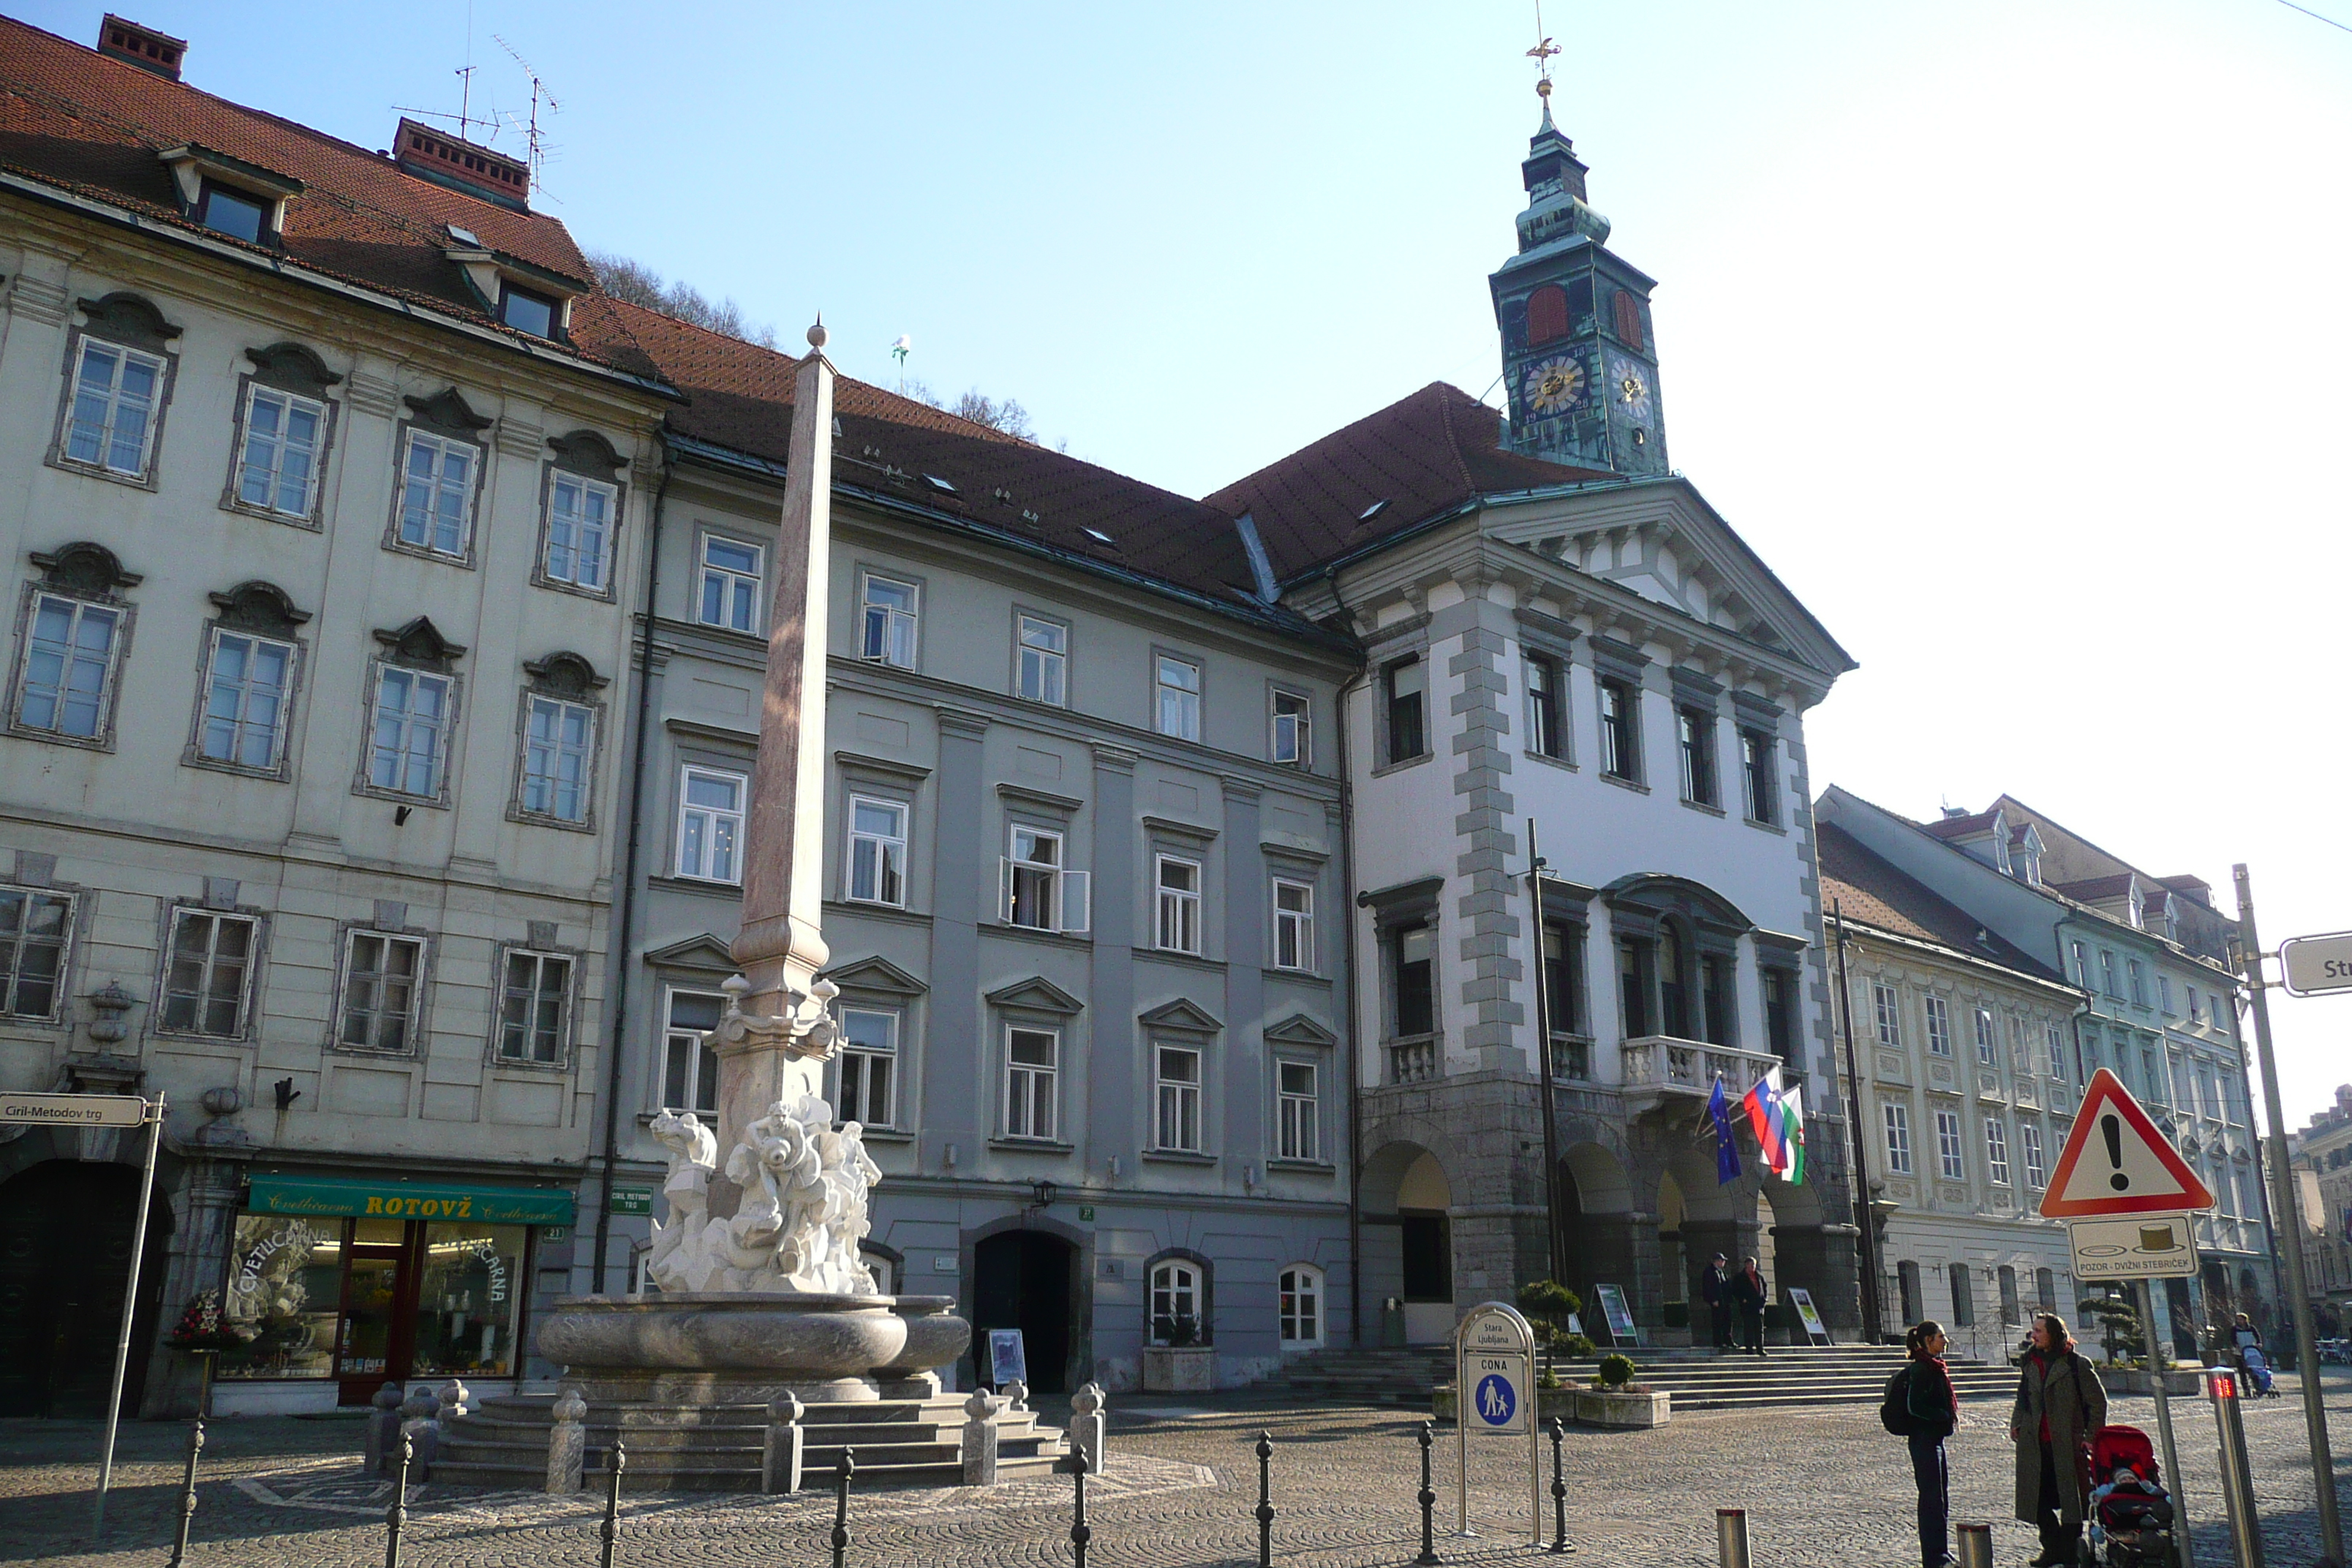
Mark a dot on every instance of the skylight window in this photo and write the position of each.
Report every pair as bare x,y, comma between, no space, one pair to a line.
1099,536
1372,510
232,213
465,237
937,483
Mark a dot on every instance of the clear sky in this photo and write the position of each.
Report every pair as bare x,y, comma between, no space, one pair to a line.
2013,334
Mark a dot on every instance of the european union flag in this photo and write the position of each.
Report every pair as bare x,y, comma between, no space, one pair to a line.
1726,1153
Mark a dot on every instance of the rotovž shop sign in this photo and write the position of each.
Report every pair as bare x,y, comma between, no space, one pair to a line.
325,1196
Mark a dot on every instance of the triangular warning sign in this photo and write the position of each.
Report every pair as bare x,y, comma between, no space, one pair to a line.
2117,1163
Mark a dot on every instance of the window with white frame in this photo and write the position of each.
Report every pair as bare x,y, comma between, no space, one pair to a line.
278,460
1177,927
2208,1099
383,978
1939,1026
2081,965
579,516
689,1067
559,740
66,685
1298,1119
409,730
1176,686
1988,1045
2059,1067
1175,1302
1045,658
1293,732
2029,1141
1300,1307
206,967
1996,1150
729,596
110,423
710,825
870,1067
2164,994
247,682
535,1007
1176,1096
891,612
34,928
1898,1139
1035,890
1032,1073
436,494
878,851
1887,1009
2107,973
1294,924
2138,977
1952,1157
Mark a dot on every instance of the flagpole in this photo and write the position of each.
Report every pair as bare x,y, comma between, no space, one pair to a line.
1543,1065
1866,1237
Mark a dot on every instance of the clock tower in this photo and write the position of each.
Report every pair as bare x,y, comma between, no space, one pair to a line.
1579,362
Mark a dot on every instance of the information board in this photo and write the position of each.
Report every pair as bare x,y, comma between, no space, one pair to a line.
2138,1247
1815,1330
1006,1358
1622,1330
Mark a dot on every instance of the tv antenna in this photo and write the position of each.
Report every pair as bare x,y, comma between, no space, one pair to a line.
466,118
534,140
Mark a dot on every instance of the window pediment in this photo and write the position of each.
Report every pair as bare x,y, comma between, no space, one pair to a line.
564,675
587,452
1298,1029
875,973
292,367
420,646
704,955
259,606
127,318
86,569
447,413
1035,995
1652,895
1183,1016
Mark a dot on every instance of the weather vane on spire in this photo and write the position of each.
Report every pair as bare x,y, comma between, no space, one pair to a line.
1541,54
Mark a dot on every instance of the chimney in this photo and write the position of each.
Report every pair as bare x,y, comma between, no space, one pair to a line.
142,46
445,160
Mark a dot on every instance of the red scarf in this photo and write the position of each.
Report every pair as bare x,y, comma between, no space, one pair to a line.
1949,1392
2043,1360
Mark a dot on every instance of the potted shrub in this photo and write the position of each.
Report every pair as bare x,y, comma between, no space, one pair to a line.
1548,1305
1614,1399
1179,1363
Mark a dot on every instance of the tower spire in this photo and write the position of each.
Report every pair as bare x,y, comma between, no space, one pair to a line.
1541,54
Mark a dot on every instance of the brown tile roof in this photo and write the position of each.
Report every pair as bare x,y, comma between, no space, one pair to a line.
76,120
1867,888
1949,827
1421,456
738,396
2094,890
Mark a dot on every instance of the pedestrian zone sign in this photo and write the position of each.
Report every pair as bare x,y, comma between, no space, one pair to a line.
2115,1161
1499,1399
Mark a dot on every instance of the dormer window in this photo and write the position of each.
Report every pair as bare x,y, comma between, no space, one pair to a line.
528,312
232,213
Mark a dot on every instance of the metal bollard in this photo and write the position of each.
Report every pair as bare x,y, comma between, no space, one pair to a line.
188,1492
610,1529
1428,1502
1976,1545
2221,1386
1079,1535
397,1514
1559,1491
1264,1500
841,1477
1731,1537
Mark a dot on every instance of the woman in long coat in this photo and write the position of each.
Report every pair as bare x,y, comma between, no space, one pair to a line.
2060,1404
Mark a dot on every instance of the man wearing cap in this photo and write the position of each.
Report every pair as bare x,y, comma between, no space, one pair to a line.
1714,1289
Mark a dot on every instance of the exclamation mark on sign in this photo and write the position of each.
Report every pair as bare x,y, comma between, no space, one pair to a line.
2113,1126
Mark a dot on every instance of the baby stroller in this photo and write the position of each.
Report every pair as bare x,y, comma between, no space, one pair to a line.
2131,1513
2257,1368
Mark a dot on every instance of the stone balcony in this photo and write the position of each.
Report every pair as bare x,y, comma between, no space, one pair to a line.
1659,1069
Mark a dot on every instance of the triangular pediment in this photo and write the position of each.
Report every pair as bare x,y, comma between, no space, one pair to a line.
1183,1015
1660,540
1298,1029
875,973
1034,995
704,952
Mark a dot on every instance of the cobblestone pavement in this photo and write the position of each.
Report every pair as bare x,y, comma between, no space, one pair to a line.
1822,1487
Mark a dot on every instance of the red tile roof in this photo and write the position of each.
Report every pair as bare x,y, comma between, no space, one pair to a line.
1869,890
1421,456
78,120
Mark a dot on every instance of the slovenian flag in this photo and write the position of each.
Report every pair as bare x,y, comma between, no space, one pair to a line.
1777,1117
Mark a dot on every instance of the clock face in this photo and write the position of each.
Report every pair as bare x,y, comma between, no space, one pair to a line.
1629,388
1556,385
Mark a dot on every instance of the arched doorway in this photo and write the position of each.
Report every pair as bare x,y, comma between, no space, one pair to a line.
1596,1222
65,1258
1408,1243
1026,1279
1676,1270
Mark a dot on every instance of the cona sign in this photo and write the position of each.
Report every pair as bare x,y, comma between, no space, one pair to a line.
2316,965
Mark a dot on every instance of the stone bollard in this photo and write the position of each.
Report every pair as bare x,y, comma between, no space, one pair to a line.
1088,1425
980,1438
383,1439
457,1399
1017,1394
567,1442
783,1445
420,1422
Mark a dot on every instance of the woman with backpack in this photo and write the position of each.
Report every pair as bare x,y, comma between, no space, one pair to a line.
1925,1414
2060,1403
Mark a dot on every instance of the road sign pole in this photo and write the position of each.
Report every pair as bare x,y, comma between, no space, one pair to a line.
2286,1231
2159,1364
154,1114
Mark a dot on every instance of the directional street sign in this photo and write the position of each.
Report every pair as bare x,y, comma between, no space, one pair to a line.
2117,1163
71,1110
2318,965
2137,1247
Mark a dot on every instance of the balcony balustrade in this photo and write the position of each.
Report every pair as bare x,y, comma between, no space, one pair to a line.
1659,1067
1414,1059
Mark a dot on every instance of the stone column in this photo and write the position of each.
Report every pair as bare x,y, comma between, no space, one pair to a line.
775,1051
785,1446
567,1442
980,1440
